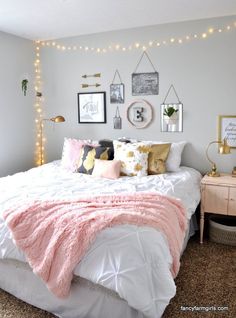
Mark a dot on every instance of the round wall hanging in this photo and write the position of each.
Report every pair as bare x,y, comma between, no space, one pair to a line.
139,113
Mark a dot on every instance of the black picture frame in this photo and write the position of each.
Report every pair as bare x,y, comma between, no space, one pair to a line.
145,83
92,108
117,93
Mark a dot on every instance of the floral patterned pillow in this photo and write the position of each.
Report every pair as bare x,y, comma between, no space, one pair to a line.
133,157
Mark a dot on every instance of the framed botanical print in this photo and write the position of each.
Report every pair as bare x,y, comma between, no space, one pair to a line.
227,129
92,108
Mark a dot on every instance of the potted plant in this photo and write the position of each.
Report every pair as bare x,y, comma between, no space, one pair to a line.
170,115
24,84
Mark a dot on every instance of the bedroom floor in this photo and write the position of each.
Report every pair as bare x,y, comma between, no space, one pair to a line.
207,278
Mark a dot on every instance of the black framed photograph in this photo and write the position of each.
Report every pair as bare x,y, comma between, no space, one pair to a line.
117,93
92,108
145,83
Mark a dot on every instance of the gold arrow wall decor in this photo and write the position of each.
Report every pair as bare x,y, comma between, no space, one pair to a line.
92,85
94,75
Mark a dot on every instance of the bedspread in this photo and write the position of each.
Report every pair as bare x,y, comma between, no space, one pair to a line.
122,258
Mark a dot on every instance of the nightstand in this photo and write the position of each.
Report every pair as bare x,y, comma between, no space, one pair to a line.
218,196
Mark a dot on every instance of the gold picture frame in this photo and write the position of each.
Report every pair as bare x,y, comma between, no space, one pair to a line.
227,129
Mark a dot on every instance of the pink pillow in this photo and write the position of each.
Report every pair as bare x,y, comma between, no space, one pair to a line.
109,169
71,153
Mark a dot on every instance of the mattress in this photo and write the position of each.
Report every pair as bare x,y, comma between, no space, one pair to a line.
106,263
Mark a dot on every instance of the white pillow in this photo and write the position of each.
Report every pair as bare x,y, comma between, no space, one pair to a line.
133,157
174,158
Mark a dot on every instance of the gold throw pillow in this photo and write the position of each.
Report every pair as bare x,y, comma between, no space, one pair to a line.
157,157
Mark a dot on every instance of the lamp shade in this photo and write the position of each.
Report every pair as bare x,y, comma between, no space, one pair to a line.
58,119
224,148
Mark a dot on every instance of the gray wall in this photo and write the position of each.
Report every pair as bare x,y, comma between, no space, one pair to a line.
203,72
16,111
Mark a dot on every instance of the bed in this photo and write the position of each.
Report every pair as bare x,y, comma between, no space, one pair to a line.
113,278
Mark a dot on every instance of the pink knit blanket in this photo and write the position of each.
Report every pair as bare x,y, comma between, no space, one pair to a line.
55,235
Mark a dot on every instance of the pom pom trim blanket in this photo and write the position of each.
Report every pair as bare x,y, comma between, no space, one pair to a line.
55,235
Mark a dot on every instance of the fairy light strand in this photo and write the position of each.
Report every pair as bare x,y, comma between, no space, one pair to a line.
38,106
138,45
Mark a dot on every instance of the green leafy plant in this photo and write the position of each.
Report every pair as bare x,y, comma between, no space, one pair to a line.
169,111
24,85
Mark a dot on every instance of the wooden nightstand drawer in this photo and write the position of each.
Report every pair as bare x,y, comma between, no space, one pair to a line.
216,199
232,202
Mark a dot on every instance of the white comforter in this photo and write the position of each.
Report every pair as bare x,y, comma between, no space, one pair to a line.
133,261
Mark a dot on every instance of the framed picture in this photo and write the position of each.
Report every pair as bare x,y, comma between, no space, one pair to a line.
117,93
227,129
92,108
172,117
145,83
139,113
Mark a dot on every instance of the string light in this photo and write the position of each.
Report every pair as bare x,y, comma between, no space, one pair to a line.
38,102
138,45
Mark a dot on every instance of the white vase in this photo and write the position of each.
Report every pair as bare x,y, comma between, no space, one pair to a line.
172,120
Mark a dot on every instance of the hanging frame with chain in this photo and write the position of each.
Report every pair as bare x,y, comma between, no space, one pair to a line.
117,90
171,113
117,121
146,83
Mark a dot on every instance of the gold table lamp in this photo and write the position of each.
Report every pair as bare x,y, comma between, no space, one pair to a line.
224,149
57,119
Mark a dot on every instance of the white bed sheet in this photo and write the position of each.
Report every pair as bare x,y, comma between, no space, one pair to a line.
128,269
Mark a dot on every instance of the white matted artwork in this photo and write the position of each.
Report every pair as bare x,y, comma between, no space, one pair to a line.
92,107
227,129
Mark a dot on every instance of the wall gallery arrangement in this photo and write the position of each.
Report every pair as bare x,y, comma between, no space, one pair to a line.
110,48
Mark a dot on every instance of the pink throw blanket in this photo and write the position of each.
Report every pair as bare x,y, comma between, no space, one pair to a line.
55,235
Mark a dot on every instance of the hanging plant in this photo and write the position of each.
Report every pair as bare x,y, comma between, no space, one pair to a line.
170,111
24,84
